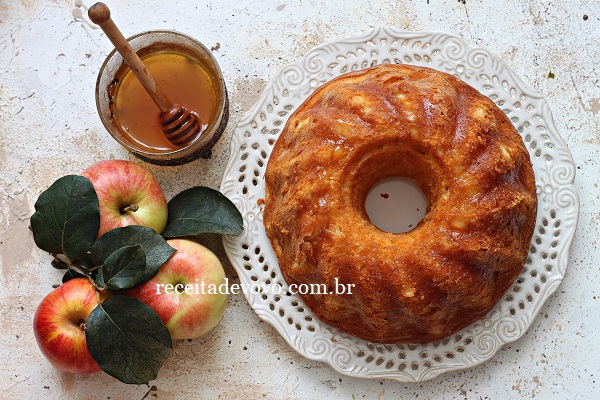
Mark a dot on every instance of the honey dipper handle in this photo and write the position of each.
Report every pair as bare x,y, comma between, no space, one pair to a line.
99,14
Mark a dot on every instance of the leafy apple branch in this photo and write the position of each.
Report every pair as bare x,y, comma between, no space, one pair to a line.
125,337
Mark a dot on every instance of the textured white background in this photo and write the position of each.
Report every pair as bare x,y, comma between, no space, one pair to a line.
49,59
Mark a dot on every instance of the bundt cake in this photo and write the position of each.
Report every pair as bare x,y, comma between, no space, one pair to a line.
457,146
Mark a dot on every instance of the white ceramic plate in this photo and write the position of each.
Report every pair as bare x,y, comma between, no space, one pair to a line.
254,260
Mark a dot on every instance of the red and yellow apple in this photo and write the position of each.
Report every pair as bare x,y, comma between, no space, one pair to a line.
128,194
59,326
189,292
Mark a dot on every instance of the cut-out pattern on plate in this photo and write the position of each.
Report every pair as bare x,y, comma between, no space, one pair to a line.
254,260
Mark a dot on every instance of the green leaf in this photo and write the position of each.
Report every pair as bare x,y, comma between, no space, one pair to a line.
67,217
201,210
85,261
125,268
155,247
59,264
127,339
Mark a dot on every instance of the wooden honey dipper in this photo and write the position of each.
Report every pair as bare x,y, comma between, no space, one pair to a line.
179,125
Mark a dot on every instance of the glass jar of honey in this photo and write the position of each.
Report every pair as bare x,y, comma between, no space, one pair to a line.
187,73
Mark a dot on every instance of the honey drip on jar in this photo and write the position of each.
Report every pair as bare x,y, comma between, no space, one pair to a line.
182,79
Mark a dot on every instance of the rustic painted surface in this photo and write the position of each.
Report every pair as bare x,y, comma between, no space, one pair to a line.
49,57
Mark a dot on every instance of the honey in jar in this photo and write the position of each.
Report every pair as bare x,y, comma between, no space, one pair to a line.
182,79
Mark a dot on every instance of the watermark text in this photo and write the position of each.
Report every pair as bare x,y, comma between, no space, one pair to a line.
201,287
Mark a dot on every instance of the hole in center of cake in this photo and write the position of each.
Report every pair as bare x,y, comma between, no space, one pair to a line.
396,204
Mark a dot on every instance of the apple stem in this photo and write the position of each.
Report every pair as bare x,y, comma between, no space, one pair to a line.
133,207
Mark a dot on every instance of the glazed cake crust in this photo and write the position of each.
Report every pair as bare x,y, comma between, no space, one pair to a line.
463,152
